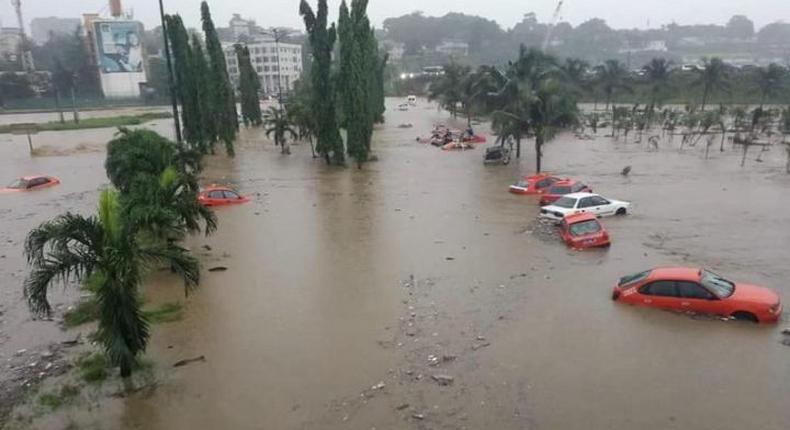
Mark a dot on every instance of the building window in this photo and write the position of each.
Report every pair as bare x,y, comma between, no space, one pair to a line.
265,68
258,69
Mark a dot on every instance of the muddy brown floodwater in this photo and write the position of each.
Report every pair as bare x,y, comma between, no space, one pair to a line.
417,293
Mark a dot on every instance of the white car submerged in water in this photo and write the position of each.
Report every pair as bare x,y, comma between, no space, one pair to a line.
583,202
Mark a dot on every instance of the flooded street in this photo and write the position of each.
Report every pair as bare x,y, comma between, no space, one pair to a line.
418,293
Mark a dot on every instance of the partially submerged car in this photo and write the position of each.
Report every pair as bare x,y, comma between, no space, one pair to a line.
561,188
583,230
700,291
535,184
216,195
574,203
496,155
31,183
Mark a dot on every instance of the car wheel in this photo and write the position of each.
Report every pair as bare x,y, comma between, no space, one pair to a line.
620,211
744,316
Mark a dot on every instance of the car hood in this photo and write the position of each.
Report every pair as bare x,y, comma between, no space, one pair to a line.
754,294
559,209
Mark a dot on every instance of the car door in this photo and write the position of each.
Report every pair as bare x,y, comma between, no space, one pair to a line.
585,204
695,298
600,206
660,294
231,197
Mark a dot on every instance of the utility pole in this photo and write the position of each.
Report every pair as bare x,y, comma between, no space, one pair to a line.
26,57
170,77
278,35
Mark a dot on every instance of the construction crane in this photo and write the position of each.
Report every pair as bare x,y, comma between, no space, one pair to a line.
26,55
553,23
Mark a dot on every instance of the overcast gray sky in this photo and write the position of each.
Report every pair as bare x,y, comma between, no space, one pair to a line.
618,13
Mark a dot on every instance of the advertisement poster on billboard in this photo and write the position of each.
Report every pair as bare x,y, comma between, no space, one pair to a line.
119,47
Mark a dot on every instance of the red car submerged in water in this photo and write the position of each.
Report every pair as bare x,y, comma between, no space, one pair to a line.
700,291
583,230
220,196
30,183
560,188
535,184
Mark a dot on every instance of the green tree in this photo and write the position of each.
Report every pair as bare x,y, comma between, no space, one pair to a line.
447,89
14,86
657,75
612,77
329,143
278,123
359,67
202,77
300,110
103,252
186,82
249,87
142,154
575,72
770,80
223,102
712,77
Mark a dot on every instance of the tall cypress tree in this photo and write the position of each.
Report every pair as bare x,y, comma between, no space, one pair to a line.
200,73
361,90
223,100
186,87
322,39
249,86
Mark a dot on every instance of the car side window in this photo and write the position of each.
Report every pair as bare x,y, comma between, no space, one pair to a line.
36,182
586,202
692,290
216,194
231,195
659,288
599,201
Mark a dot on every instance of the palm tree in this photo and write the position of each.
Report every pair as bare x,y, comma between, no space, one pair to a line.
447,89
770,80
104,252
475,87
300,110
167,207
552,109
712,77
657,74
612,76
575,71
279,124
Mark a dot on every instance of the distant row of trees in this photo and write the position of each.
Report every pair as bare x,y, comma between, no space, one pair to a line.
537,95
592,40
354,98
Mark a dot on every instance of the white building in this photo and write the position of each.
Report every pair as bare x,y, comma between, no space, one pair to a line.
240,27
270,64
453,48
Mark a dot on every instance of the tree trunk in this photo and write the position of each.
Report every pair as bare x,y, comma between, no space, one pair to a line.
721,146
745,150
518,147
608,99
704,97
312,148
57,106
538,150
74,107
126,369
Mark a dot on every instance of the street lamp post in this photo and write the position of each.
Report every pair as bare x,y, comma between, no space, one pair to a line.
278,35
170,77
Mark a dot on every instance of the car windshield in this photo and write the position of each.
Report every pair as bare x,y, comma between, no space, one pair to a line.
566,202
636,277
585,227
522,184
720,286
561,190
18,184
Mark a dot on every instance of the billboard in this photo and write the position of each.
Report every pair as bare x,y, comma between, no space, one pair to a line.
118,46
